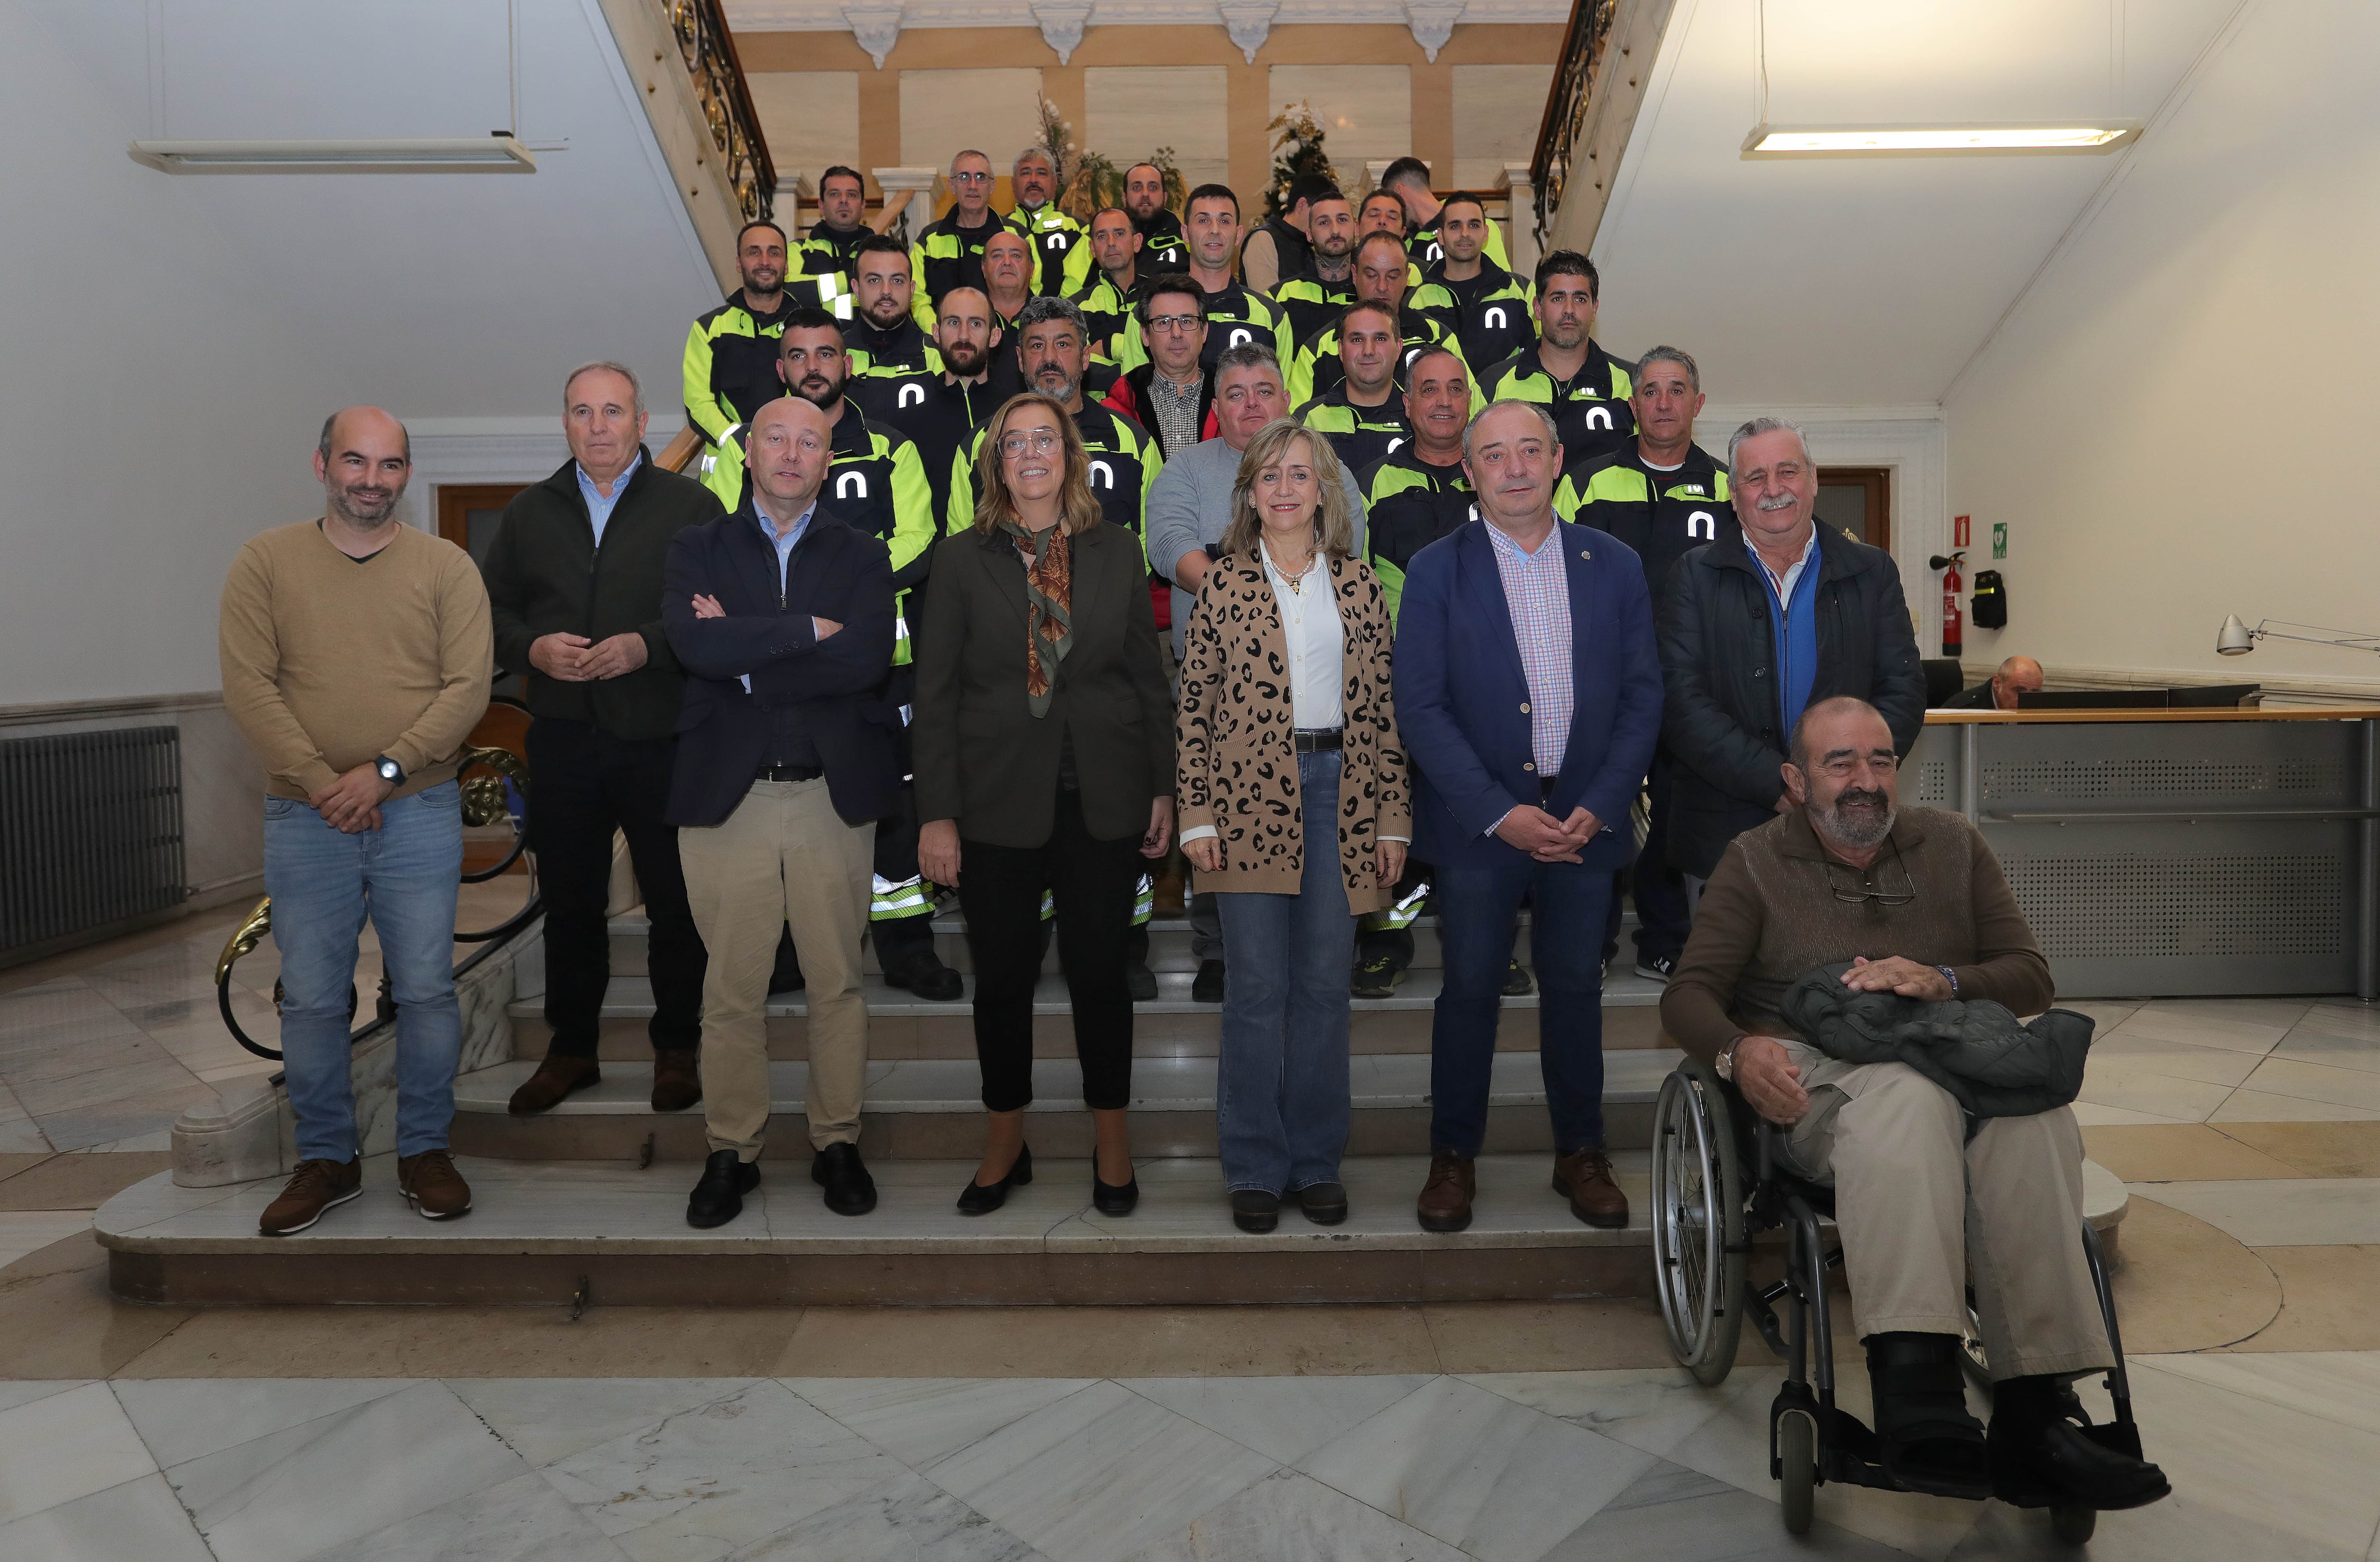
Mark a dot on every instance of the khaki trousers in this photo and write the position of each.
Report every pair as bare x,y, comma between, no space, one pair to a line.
785,855
1923,1212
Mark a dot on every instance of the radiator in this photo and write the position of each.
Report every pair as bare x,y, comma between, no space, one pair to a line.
90,832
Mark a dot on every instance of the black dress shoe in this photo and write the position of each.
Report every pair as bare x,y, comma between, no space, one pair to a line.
925,974
1207,986
978,1198
1325,1203
718,1197
1255,1210
1517,981
1113,1198
1140,981
2043,1456
849,1189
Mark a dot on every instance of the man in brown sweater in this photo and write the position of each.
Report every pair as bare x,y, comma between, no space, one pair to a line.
356,659
1914,899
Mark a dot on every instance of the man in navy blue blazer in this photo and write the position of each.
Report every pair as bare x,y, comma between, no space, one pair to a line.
1528,689
782,615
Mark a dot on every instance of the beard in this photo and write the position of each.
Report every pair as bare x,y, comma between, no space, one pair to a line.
963,359
1859,818
886,313
1054,382
764,279
816,390
365,505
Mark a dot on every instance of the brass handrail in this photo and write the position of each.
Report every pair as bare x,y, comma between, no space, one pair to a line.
483,803
708,48
1582,44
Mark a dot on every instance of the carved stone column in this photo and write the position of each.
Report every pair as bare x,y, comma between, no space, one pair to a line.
1520,237
895,181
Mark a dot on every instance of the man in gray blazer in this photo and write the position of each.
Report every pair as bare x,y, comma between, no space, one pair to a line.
1189,505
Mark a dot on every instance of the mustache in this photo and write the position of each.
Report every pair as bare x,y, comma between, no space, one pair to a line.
1862,797
1776,502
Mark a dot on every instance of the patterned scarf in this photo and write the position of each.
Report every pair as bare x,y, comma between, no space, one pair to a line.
1048,616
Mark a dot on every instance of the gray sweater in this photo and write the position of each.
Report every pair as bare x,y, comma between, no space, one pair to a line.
1190,505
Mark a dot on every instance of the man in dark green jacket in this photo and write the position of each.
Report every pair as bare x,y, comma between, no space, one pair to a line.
574,578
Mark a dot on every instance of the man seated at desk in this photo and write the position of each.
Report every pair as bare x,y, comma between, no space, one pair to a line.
2018,675
1915,900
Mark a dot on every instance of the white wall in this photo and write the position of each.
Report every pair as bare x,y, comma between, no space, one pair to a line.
2177,422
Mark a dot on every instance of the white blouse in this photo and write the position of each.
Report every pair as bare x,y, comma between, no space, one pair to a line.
1309,623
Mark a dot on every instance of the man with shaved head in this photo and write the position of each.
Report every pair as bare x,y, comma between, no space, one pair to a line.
356,659
2018,675
782,614
574,578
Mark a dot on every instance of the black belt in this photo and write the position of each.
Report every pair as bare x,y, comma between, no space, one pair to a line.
790,772
1319,740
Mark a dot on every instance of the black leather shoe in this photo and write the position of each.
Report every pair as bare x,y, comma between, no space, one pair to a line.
849,1189
925,974
718,1197
2044,1455
1113,1198
1517,981
1255,1210
1325,1204
977,1198
1207,986
1140,981
1927,1440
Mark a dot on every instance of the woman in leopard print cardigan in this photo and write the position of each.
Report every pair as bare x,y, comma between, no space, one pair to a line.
1284,698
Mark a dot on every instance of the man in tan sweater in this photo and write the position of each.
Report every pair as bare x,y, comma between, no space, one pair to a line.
356,659
1927,1203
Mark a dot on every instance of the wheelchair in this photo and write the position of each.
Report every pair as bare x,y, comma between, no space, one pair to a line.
1705,1215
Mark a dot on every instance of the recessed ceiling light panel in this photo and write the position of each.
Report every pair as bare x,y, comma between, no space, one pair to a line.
1936,140
449,154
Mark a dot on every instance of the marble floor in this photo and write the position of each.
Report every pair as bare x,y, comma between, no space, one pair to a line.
2271,1456
2246,1131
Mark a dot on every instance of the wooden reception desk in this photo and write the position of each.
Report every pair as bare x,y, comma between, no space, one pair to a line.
2176,851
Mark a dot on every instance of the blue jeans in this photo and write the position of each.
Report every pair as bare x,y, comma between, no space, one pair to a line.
405,875
1280,1100
1476,906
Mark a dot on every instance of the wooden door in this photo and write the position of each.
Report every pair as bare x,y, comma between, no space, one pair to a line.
1858,500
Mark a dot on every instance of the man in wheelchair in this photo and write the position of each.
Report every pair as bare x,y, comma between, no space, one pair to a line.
1927,1203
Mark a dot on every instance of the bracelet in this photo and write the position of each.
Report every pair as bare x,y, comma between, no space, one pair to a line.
1951,977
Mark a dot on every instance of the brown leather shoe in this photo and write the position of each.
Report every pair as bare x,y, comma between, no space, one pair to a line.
555,1078
1445,1201
677,1079
432,1186
1584,1177
314,1187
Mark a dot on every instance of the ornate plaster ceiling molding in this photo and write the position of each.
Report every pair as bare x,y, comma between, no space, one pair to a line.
877,29
1432,22
1249,23
1062,26
1062,22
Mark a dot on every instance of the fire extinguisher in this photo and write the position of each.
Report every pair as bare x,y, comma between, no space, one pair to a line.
1948,564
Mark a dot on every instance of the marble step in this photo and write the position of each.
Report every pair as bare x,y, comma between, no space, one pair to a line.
903,1025
556,1233
547,1232
933,1109
1168,942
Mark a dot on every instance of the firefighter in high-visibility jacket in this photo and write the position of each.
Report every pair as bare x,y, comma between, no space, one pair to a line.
1663,495
1062,258
1585,389
877,483
730,366
1380,278
1122,460
1485,306
1362,416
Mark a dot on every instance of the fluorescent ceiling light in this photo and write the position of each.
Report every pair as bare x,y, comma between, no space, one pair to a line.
1935,140
452,154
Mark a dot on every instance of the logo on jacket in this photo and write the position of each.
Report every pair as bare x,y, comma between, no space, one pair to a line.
1494,319
1102,474
851,485
1703,524
910,395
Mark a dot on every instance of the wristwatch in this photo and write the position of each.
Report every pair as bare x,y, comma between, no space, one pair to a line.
390,771
1951,977
1725,1063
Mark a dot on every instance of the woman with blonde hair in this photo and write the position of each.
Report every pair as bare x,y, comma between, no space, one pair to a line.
1044,757
1293,808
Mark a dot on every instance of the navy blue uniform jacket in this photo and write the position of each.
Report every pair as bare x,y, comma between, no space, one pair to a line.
1461,696
837,572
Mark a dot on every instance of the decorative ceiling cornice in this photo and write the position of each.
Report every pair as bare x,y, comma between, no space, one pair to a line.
877,24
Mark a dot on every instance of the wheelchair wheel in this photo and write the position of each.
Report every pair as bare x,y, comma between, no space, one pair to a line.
1698,1223
1797,1475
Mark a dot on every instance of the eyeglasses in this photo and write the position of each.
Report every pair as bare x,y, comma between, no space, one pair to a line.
1041,441
1840,769
1861,893
1175,323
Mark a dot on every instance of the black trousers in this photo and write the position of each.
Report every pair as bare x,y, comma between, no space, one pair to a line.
1663,917
1091,882
584,784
